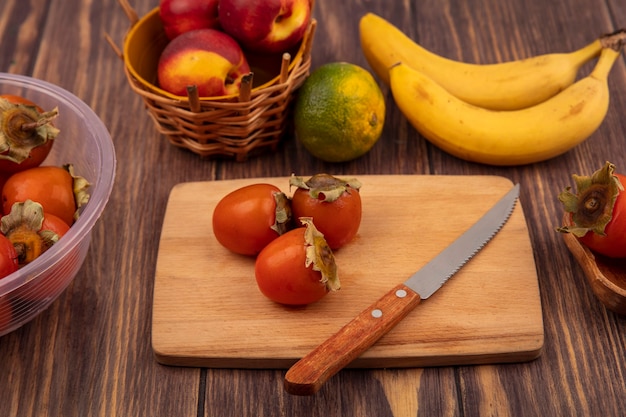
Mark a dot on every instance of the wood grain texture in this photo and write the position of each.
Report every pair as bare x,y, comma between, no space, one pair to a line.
358,335
89,354
208,311
606,276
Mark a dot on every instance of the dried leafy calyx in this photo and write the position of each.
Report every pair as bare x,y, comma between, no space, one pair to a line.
592,205
24,127
324,186
22,226
283,213
319,255
80,187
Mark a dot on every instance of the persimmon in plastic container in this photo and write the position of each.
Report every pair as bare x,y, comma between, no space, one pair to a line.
84,142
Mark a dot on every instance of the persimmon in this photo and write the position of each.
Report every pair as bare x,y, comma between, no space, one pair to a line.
333,203
27,133
56,188
598,211
248,218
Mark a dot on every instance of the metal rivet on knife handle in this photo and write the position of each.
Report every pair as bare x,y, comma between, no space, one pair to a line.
308,375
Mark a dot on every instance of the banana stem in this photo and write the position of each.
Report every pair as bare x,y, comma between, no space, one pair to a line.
614,40
608,56
586,53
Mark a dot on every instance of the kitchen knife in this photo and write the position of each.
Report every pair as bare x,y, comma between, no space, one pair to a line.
307,375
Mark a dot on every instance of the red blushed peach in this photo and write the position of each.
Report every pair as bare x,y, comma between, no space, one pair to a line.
265,25
207,58
180,16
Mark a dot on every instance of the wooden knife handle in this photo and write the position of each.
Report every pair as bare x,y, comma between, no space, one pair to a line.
307,375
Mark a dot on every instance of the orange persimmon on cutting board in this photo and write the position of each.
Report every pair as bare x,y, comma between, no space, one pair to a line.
208,311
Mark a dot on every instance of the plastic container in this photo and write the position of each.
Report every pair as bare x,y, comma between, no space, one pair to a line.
84,142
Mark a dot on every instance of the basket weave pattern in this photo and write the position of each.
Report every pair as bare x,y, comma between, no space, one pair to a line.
226,128
230,127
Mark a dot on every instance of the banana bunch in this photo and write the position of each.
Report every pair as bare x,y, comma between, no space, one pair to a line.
511,113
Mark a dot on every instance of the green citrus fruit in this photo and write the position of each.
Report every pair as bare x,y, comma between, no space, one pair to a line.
339,112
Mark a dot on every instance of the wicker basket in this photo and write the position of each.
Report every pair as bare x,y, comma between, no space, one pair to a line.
229,126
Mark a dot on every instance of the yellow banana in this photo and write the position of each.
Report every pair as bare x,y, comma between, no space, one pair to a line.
503,86
514,137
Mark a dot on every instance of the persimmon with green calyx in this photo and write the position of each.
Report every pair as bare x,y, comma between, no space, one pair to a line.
31,231
26,133
297,268
598,211
333,203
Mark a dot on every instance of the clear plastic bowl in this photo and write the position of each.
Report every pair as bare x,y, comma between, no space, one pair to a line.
84,142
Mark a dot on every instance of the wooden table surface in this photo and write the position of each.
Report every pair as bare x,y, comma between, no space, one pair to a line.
89,354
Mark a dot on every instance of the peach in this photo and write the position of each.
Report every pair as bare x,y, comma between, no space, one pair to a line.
265,25
207,58
180,16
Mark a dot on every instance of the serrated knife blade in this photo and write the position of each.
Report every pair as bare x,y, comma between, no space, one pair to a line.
308,375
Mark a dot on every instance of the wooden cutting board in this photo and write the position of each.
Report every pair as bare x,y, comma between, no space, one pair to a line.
209,312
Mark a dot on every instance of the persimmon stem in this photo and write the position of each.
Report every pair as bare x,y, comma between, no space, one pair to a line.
45,119
28,244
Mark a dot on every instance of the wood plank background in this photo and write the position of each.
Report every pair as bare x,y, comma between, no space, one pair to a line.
90,353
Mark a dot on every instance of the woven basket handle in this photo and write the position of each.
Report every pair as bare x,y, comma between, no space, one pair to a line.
130,12
132,16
